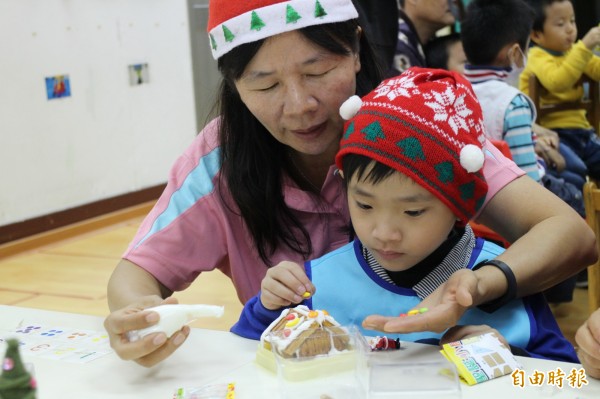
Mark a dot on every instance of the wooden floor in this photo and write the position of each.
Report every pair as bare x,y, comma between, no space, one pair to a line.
70,275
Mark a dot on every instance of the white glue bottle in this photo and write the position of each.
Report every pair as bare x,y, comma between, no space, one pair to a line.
174,317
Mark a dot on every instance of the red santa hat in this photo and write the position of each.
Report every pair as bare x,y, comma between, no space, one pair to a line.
235,22
428,125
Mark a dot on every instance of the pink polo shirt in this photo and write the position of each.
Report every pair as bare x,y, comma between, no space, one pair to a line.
191,230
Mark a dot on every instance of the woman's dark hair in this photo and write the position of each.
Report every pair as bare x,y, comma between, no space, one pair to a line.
253,161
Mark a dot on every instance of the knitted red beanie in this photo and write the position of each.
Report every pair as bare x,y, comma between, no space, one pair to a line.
428,125
235,22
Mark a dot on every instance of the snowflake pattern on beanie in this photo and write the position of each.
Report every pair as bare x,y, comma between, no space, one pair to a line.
235,22
428,125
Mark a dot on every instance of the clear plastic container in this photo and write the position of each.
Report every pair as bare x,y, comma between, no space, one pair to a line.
321,367
393,375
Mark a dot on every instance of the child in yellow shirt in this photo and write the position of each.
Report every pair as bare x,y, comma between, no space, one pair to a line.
559,61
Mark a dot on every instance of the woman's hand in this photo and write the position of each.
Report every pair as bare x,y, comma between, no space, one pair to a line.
446,305
458,333
285,284
588,339
152,348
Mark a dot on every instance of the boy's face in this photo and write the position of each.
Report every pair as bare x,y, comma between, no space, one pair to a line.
399,221
560,31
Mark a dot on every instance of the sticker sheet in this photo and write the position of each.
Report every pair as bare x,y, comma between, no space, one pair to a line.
58,343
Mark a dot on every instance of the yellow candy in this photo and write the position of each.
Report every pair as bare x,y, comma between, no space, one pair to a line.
292,323
413,312
313,314
306,295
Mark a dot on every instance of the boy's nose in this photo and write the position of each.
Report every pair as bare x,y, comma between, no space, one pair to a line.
387,232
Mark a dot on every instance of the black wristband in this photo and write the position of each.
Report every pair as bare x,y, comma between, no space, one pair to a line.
511,291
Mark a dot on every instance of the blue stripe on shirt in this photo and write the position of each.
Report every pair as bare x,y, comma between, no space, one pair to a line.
518,135
197,184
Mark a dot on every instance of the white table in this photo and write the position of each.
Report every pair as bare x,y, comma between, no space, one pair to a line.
215,356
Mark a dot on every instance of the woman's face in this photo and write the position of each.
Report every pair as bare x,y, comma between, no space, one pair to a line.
295,89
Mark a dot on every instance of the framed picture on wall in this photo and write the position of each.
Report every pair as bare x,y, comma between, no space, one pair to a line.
58,86
138,74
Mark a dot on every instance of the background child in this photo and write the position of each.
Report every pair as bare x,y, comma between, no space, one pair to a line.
495,53
559,61
411,158
446,52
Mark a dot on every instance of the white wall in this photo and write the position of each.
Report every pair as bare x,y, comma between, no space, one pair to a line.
108,138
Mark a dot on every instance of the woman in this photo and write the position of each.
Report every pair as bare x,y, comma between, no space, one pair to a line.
258,185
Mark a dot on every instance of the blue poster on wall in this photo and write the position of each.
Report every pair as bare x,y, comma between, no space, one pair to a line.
58,86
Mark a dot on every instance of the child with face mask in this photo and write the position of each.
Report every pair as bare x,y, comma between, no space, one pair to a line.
495,53
496,57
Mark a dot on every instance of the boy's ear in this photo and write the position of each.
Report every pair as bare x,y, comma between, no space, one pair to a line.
341,173
535,36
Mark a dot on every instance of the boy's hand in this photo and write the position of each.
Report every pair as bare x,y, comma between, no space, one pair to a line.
592,38
457,333
285,284
588,339
446,306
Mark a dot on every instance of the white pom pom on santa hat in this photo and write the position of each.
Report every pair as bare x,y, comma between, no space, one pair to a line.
350,107
471,158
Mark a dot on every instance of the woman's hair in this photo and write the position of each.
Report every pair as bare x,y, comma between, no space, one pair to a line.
253,161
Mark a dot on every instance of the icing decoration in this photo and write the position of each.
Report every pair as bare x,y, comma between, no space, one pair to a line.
290,336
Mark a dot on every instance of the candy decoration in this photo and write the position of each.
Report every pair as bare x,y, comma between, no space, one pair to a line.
384,343
293,322
307,294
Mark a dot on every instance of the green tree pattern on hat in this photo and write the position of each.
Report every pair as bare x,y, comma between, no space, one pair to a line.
349,130
291,15
319,10
411,147
373,131
256,23
229,36
445,172
467,191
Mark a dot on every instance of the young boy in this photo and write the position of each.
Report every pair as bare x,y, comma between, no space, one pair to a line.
446,52
559,61
411,158
495,53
